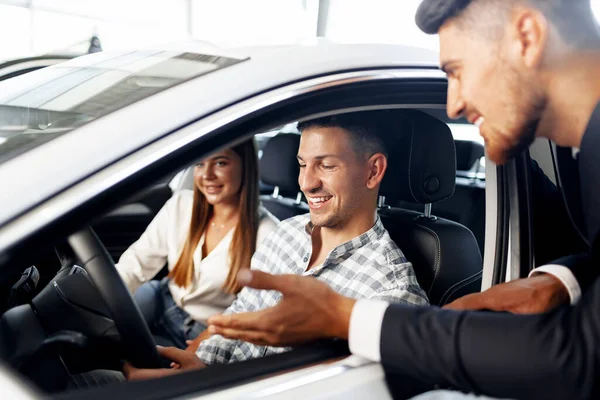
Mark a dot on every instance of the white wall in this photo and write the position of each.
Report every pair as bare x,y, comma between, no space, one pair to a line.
54,25
14,32
244,22
29,27
381,21
41,26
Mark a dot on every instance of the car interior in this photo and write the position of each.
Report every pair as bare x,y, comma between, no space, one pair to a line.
65,310
56,322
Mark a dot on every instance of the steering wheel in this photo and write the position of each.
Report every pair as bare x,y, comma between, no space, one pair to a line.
130,323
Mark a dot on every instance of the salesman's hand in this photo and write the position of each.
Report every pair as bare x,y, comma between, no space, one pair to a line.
537,294
183,361
309,310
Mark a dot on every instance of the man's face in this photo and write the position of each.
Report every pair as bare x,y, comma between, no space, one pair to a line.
492,84
332,176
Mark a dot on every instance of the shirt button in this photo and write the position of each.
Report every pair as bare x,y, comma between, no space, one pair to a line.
305,259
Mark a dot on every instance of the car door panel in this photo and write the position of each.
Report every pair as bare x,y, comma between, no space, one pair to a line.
121,227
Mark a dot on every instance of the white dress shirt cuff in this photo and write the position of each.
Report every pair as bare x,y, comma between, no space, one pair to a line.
364,335
564,275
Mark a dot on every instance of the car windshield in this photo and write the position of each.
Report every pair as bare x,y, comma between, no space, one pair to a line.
42,105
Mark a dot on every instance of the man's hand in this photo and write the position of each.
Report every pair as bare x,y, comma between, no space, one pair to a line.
309,310
192,345
537,294
182,361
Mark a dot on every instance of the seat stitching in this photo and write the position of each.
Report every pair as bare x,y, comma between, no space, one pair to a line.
439,256
454,187
473,279
460,285
461,282
457,286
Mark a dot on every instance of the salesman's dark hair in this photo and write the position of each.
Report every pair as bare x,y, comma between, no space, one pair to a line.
573,19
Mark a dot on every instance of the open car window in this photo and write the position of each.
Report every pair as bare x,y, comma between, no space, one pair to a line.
119,229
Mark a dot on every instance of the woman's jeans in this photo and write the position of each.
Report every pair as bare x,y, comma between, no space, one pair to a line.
169,324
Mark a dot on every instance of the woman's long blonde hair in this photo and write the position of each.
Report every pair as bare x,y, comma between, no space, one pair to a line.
243,243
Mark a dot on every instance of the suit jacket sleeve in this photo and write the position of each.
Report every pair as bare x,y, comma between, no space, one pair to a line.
551,356
583,270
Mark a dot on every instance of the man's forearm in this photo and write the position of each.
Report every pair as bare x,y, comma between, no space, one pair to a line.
341,313
145,374
571,290
551,356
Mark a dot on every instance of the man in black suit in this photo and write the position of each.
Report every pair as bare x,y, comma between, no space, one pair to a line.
518,69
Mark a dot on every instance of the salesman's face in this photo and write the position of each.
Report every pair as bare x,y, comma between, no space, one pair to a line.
494,83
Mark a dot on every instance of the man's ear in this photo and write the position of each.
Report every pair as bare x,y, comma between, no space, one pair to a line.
377,166
531,30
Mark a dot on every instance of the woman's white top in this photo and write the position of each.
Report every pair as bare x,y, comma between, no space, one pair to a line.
162,243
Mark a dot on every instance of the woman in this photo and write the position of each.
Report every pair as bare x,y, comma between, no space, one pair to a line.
205,236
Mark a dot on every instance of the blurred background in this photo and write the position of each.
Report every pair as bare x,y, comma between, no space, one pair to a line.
35,27
56,30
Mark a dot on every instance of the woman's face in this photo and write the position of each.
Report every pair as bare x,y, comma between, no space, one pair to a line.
219,177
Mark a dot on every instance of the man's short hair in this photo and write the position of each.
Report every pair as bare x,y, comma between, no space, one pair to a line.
367,129
573,19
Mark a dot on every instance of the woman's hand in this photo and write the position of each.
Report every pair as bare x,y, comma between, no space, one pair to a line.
182,359
192,345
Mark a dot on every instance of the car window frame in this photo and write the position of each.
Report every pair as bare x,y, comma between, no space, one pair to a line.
216,131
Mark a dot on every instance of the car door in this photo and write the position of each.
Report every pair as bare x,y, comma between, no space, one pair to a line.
216,378
300,99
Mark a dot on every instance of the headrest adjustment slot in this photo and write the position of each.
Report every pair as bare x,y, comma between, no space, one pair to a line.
427,214
428,210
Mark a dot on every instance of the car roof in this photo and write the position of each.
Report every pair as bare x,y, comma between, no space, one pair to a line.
318,47
14,67
48,169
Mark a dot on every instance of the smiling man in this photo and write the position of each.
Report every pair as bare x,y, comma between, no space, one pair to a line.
518,69
342,241
341,244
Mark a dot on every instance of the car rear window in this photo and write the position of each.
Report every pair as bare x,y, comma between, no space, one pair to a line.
42,105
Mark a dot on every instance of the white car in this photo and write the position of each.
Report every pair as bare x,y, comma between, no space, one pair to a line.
100,142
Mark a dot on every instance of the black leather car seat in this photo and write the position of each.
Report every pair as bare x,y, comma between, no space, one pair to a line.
467,204
422,169
279,168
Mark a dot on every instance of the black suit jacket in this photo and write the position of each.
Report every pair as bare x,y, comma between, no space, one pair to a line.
549,356
551,216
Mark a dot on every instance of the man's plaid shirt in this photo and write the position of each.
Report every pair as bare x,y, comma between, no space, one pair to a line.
368,266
